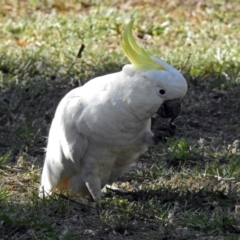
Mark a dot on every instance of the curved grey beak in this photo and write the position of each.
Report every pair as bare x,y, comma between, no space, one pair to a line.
170,109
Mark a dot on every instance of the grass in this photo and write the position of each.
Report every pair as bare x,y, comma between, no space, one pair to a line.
184,189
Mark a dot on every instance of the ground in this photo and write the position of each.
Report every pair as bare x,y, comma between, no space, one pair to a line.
187,188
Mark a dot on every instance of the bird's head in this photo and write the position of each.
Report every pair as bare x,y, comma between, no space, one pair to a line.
169,84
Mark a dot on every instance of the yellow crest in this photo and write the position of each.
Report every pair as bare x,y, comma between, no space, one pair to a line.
136,54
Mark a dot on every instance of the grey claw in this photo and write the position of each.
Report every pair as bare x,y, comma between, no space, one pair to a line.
163,132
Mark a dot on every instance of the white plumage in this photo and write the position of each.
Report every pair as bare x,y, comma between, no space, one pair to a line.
99,129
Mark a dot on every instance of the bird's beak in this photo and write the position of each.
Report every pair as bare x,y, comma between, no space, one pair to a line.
170,109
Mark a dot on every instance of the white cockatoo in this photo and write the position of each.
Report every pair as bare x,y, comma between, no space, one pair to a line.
101,128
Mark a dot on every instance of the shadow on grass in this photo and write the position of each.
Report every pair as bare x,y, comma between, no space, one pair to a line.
205,211
28,106
52,218
212,115
161,212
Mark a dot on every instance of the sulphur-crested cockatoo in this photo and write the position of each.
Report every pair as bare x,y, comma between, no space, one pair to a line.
101,128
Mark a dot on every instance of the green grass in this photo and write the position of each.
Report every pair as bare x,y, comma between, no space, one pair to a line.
184,189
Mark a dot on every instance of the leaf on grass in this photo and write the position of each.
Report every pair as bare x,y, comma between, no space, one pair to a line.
4,158
30,221
79,55
5,218
220,92
22,43
62,6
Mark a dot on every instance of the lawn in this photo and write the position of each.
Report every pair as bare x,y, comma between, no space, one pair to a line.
187,188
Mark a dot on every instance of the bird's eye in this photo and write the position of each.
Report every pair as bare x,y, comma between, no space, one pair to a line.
161,91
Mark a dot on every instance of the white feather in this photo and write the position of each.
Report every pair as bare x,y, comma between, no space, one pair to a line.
99,129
